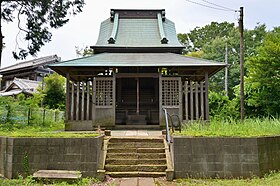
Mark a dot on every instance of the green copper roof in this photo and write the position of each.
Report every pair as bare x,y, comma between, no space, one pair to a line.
136,29
138,60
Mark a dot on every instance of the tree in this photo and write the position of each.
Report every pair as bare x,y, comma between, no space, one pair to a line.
84,52
40,16
264,75
54,91
209,42
198,37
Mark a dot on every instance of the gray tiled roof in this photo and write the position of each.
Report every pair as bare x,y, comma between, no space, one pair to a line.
32,63
21,86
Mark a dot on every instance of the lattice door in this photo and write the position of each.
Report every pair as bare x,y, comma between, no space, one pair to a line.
104,91
170,92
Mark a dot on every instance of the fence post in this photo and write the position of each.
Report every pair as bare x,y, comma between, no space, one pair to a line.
44,114
28,116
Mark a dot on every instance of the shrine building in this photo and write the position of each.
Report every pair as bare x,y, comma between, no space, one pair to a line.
137,70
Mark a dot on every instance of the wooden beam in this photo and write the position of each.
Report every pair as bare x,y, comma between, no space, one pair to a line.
137,75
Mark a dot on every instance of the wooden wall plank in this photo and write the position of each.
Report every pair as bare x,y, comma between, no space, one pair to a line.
191,100
196,102
180,99
206,97
186,100
83,102
67,105
93,99
201,100
78,101
72,100
88,94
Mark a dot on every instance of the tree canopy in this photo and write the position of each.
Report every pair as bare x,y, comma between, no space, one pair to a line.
39,16
54,90
262,67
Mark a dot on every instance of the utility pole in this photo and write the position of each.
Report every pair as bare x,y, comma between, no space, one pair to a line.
241,29
226,70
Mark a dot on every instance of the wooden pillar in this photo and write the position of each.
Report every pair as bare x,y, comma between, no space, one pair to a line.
83,102
138,96
67,105
191,100
186,100
160,97
72,101
114,97
196,102
201,100
88,94
78,101
93,99
206,97
180,100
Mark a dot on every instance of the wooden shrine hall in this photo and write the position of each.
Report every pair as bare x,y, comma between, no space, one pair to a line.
137,70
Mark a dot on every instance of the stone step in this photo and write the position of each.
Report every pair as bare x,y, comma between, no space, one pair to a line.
135,150
135,174
57,174
138,139
135,155
136,161
135,145
141,168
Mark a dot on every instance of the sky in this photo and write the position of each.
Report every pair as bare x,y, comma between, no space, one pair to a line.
82,30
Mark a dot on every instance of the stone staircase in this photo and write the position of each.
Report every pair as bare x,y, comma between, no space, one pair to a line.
137,157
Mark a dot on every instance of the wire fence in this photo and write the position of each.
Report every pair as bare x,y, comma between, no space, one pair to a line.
29,116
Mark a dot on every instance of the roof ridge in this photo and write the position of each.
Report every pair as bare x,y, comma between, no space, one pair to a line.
33,61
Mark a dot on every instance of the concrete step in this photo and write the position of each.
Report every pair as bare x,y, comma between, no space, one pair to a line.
135,150
138,139
141,168
135,174
135,145
135,155
57,174
135,161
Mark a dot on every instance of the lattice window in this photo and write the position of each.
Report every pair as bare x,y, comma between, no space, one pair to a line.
170,92
104,92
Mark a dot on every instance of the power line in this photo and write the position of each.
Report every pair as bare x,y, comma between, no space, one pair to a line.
229,9
222,9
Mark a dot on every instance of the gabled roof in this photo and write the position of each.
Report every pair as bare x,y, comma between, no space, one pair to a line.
31,63
21,86
140,30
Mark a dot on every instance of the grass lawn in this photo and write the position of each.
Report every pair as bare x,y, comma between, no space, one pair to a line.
272,179
31,182
55,131
231,128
